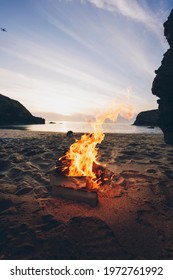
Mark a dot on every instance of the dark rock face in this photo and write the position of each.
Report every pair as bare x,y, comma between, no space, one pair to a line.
163,85
13,112
147,118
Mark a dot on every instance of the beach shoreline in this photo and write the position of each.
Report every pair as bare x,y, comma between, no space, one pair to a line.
135,224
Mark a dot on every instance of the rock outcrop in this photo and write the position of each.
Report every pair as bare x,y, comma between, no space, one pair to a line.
13,112
147,118
163,85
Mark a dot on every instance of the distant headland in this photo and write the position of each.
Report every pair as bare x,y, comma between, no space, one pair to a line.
147,118
12,112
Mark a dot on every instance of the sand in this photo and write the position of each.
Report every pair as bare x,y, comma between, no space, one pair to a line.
136,223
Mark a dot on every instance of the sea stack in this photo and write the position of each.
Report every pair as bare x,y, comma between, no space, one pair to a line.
163,85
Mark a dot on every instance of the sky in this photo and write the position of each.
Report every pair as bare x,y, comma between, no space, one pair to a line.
72,58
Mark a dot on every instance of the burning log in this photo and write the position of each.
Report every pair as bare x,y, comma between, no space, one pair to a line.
83,188
102,174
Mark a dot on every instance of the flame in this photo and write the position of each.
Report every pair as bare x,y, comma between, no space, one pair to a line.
81,156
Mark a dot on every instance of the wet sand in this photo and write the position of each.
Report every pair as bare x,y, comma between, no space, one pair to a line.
135,223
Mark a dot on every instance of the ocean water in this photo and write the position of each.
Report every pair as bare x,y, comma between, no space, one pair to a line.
64,126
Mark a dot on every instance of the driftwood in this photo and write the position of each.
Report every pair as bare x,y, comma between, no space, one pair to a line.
72,188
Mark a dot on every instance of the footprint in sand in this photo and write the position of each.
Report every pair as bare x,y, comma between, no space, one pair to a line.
4,165
151,170
93,239
5,202
43,164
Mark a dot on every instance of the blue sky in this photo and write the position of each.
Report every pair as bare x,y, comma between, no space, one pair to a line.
73,57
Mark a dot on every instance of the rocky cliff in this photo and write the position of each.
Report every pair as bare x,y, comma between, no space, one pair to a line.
163,85
13,112
147,118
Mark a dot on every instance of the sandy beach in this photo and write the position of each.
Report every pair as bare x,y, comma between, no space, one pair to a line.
135,223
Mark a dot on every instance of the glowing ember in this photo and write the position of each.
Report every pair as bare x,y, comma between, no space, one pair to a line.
81,158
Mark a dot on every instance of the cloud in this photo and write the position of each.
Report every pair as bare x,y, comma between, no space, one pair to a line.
106,42
132,10
54,61
56,95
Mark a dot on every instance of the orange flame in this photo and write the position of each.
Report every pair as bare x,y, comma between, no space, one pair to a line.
83,153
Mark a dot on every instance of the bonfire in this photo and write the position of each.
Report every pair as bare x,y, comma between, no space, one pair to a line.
80,169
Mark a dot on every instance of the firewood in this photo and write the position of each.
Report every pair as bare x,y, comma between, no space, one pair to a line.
72,188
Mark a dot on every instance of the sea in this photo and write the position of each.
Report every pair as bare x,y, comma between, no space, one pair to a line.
84,127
